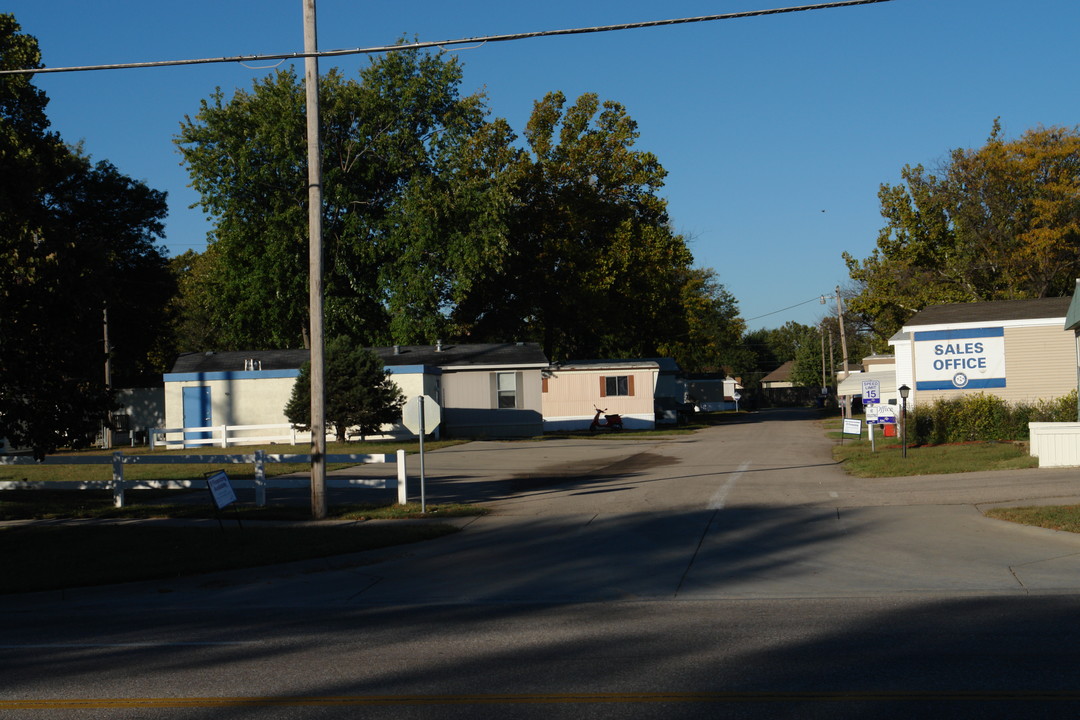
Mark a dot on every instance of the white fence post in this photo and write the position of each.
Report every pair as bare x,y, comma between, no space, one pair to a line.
224,436
260,478
402,491
118,479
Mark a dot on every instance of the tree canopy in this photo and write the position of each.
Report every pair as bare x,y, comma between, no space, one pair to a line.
247,158
359,391
1000,222
77,240
441,223
563,242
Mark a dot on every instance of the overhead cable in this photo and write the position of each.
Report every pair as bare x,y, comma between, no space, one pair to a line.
774,312
445,43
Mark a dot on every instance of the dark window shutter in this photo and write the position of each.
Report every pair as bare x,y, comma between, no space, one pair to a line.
630,385
603,386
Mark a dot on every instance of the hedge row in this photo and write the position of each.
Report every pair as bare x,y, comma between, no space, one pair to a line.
984,418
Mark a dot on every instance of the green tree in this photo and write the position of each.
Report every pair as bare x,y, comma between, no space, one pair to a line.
713,328
564,242
77,239
359,392
247,158
806,372
196,324
999,222
450,236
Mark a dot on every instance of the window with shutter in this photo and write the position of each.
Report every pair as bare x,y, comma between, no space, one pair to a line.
617,385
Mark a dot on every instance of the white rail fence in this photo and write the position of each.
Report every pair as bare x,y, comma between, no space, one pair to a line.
259,459
224,435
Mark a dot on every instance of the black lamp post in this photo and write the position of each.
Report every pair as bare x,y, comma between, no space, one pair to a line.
904,391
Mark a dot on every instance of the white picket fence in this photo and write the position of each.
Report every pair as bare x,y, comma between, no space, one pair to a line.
259,459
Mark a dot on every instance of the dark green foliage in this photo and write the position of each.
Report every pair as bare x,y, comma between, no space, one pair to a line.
359,392
76,238
984,418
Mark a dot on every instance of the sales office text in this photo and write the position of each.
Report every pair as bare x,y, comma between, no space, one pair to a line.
960,363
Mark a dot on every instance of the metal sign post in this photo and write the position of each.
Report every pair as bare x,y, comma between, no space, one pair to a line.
878,415
423,489
421,414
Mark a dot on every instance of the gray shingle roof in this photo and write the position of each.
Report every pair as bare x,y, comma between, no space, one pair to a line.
991,311
468,355
235,360
475,355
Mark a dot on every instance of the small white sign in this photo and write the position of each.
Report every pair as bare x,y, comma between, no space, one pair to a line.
221,489
880,414
853,426
871,392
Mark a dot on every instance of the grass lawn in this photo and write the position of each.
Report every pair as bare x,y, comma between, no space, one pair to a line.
1053,517
52,555
35,473
888,461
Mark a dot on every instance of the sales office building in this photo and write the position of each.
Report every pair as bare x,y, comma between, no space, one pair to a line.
1015,349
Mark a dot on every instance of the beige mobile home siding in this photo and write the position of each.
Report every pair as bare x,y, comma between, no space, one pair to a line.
471,409
573,394
1040,364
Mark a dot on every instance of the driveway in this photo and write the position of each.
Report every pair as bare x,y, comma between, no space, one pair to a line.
752,509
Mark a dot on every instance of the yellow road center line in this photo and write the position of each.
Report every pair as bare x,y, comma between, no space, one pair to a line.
534,699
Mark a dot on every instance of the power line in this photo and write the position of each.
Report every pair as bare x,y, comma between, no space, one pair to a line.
774,312
447,43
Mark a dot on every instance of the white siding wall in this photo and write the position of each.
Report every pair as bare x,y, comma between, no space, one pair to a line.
261,401
255,401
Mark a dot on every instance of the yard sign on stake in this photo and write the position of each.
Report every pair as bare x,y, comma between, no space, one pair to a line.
223,495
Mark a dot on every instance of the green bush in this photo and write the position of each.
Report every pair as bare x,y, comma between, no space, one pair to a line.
984,418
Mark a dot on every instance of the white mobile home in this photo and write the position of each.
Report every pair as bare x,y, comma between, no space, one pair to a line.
484,390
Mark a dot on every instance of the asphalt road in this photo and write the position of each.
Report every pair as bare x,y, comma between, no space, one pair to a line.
734,573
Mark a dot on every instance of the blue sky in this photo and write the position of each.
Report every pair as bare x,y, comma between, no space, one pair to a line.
776,131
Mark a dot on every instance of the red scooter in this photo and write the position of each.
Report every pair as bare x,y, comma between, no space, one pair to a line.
610,421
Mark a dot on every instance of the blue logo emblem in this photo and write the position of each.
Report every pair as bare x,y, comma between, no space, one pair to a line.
960,380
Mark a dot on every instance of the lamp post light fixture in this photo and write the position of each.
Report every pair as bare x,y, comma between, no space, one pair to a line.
904,391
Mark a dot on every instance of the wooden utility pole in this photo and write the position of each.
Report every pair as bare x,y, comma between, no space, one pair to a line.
106,431
832,362
315,268
843,346
821,330
843,336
